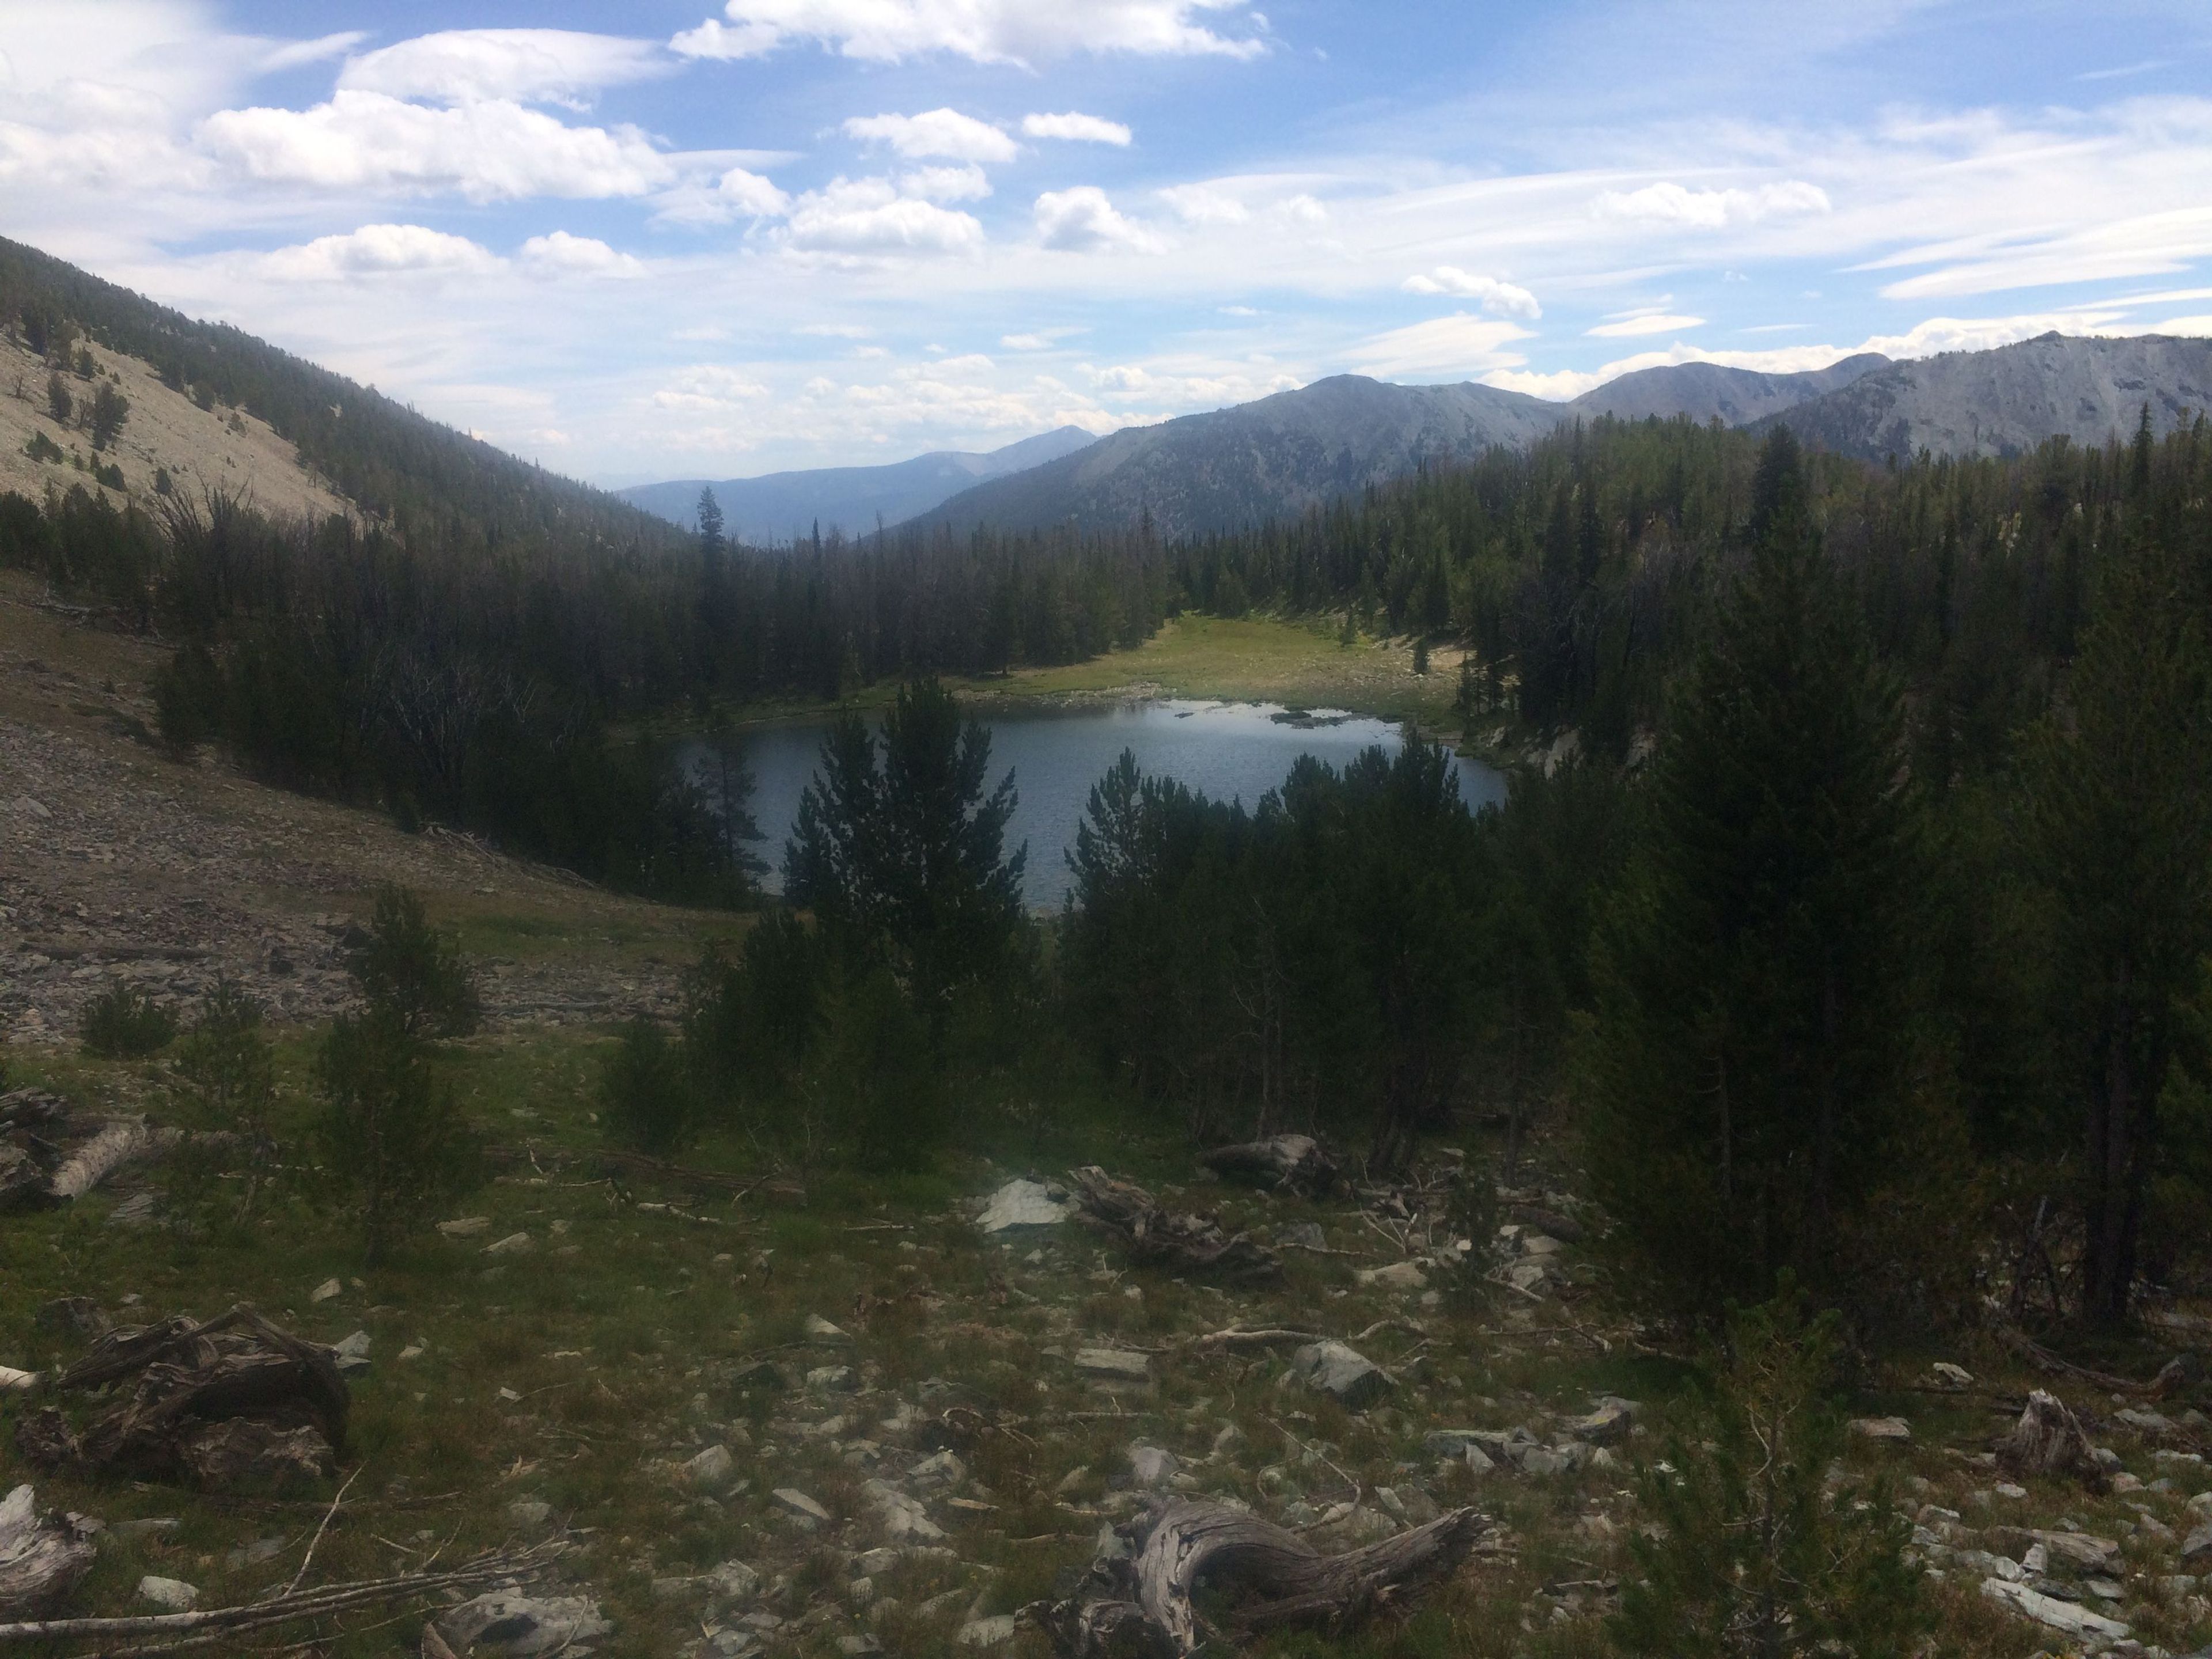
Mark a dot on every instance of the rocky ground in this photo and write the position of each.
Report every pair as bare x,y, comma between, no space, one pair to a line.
119,862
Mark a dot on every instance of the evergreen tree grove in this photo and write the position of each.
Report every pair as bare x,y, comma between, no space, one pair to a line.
1748,1065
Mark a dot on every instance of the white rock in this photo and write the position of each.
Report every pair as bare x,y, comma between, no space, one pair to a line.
819,1329
1957,1376
1025,1204
351,1356
800,1503
529,1514
1151,1465
1114,1363
467,1226
513,1244
2067,1616
325,1290
903,1517
170,1595
710,1470
1337,1369
733,1582
1894,1429
987,1632
525,1626
1398,1276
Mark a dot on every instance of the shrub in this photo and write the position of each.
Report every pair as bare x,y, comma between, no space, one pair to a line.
224,1088
416,973
123,1022
647,1102
1753,1557
392,1139
43,448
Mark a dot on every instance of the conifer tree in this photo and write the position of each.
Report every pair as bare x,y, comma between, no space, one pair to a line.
1749,1041
2119,833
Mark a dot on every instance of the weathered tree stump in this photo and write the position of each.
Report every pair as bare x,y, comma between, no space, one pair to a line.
41,1560
1140,1607
1297,1161
2048,1440
1176,1240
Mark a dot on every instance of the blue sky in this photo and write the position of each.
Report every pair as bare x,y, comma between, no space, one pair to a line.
666,240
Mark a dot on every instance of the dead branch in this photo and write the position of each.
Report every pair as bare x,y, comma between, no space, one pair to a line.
287,1608
1142,1606
1176,1240
116,1147
2170,1378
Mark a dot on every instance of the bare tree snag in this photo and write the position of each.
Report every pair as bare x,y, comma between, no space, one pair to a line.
1141,1606
1298,1161
2048,1440
41,1561
1174,1239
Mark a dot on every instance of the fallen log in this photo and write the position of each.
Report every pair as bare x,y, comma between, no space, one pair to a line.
41,1560
114,1148
1140,1607
2171,1376
1297,1161
1178,1241
232,1402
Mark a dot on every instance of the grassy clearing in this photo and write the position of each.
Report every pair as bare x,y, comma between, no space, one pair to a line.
580,1373
1298,661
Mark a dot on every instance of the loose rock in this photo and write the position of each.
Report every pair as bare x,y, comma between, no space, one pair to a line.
1342,1372
170,1595
510,1623
1025,1204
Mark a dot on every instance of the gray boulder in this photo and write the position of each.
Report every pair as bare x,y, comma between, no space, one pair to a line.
1342,1372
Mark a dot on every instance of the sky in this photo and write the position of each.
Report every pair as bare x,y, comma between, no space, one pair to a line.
660,239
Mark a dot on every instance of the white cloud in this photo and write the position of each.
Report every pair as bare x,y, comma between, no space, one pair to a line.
1671,204
2142,245
1084,221
965,183
1302,210
1022,31
1642,323
868,216
561,254
1205,204
297,54
1024,342
943,132
1499,299
1182,385
707,386
1460,345
366,141
737,194
460,66
1077,129
380,251
2190,326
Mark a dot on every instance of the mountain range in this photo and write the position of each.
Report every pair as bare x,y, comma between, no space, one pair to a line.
783,507
1281,454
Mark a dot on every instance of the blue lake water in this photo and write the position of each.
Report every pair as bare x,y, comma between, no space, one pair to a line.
1229,752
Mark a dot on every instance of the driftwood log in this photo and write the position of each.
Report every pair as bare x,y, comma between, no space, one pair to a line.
39,1169
232,1402
2048,1440
1141,1606
1297,1161
2171,1376
41,1560
1174,1239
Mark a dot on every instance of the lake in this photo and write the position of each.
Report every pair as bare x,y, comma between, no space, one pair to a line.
1229,750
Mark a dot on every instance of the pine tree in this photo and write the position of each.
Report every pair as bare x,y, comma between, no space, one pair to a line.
2120,833
1750,1034
908,854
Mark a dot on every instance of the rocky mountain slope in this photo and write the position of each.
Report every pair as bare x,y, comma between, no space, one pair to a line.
2007,401
1706,392
1270,458
781,507
210,449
